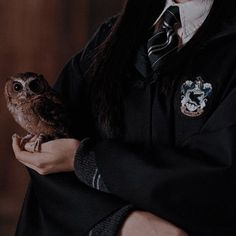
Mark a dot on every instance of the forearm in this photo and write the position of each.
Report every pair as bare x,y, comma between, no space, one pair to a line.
141,223
112,224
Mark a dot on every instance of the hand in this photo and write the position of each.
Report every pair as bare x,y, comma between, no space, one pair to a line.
55,156
141,223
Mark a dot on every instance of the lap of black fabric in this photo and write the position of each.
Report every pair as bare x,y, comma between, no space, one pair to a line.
59,204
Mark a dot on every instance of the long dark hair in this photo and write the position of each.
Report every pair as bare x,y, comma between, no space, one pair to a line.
114,55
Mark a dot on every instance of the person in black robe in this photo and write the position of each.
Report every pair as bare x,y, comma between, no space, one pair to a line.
157,141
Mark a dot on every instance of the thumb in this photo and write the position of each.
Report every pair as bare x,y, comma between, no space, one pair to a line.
16,143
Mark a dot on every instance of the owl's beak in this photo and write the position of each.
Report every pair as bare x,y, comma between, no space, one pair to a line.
24,96
27,95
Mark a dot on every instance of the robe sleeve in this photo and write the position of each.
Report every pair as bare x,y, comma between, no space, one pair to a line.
192,187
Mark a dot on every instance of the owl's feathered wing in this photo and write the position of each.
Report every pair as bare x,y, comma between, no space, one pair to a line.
52,113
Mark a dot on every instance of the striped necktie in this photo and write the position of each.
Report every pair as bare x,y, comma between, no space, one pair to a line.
165,40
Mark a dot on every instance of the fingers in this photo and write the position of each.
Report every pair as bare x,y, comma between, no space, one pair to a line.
21,155
57,144
54,156
16,143
30,166
34,160
41,171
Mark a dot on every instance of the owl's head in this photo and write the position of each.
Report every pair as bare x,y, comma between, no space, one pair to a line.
23,87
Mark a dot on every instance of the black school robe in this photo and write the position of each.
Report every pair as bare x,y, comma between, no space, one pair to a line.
186,176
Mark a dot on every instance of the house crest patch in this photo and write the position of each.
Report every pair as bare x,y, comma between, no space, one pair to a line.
194,97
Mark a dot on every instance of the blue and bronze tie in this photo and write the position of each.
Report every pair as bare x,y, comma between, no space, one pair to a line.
164,43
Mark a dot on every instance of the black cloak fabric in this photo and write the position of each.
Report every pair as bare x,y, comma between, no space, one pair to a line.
189,181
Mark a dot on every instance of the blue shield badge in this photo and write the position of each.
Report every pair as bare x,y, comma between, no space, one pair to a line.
194,97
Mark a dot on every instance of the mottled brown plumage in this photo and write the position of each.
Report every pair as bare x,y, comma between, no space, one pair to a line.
36,108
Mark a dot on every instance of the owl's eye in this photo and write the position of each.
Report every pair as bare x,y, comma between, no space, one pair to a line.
36,86
17,87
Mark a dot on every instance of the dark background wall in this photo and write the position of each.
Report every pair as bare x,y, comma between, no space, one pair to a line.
39,36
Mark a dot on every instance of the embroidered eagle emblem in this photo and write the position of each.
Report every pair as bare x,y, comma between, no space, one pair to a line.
194,97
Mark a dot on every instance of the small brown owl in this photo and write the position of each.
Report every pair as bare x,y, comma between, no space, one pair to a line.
36,107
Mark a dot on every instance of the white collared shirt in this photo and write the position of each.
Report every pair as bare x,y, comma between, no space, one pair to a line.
192,14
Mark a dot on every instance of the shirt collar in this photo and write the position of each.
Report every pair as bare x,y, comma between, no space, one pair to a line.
192,14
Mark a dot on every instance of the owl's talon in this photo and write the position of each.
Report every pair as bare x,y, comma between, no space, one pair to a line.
34,145
25,140
38,142
37,146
